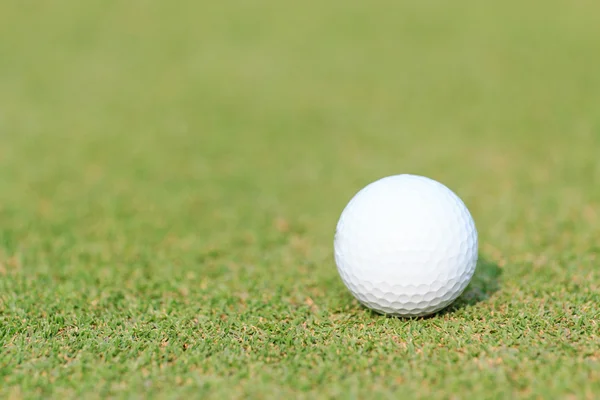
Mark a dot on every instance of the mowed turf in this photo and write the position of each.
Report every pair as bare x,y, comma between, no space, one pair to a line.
171,174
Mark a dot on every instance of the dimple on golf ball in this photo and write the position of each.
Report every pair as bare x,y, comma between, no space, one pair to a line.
406,245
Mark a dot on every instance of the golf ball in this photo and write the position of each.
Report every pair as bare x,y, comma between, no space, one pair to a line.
406,245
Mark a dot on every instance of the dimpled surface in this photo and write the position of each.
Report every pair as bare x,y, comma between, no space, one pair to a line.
406,245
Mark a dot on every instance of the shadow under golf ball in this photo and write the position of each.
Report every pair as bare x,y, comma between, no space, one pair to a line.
484,283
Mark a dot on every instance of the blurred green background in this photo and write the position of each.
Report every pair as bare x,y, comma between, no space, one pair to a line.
171,175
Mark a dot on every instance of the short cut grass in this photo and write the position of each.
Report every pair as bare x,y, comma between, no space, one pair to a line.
171,174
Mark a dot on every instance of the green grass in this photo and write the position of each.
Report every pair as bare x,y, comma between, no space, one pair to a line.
171,175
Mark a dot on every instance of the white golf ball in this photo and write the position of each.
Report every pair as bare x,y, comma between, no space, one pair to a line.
406,245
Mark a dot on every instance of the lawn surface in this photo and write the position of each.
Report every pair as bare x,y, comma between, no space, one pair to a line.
171,174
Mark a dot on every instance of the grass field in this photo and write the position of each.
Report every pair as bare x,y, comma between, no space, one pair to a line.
171,175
